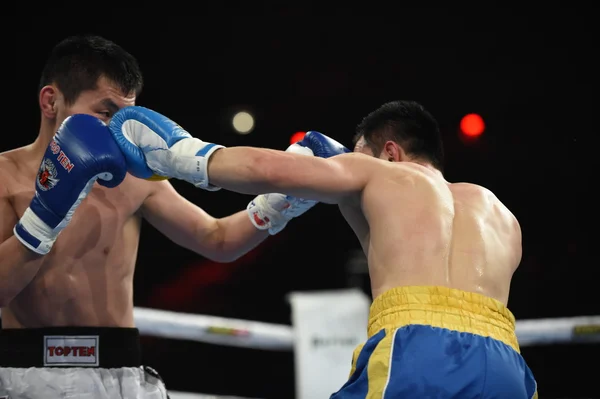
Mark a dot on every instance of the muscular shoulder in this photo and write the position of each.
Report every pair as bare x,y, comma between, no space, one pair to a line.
473,195
480,197
405,174
374,171
11,158
9,170
353,159
359,164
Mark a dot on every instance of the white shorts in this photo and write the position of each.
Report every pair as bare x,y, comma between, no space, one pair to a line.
75,363
80,383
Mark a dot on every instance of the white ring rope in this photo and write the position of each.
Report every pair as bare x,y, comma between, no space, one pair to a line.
258,335
213,330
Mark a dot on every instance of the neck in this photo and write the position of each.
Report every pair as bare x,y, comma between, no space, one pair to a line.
47,130
426,165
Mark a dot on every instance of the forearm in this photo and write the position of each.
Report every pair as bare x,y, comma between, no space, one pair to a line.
247,170
18,266
238,236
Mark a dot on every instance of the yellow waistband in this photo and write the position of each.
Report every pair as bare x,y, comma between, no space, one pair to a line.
444,308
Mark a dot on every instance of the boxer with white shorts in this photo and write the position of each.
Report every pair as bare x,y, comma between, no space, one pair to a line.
70,221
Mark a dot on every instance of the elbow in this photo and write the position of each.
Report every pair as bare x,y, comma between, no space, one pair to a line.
214,246
217,252
223,255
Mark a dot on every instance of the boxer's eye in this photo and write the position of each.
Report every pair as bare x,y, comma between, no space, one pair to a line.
105,114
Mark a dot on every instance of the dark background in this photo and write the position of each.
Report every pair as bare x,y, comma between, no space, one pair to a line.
529,73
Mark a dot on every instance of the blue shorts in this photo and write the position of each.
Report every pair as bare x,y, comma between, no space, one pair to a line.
436,342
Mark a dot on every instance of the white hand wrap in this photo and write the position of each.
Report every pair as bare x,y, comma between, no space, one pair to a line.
273,211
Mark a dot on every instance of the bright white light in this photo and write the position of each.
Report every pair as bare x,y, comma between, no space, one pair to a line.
243,122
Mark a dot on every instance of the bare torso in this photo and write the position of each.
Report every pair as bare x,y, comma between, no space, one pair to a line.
418,229
87,278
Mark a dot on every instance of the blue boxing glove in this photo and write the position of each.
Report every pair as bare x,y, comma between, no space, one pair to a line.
273,211
81,152
157,148
319,145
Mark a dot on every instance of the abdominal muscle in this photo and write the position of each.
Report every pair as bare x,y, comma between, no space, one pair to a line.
80,284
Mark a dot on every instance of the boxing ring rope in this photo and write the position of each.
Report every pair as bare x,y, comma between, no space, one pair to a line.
267,336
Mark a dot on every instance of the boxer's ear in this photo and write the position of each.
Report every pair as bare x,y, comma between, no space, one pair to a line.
393,152
48,99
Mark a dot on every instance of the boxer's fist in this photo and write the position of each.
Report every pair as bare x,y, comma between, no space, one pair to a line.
155,147
81,152
319,145
273,211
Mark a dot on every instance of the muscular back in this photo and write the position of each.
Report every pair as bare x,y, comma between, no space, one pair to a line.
87,278
418,229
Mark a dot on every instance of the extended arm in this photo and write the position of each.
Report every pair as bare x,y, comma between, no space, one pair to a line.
156,147
222,240
251,170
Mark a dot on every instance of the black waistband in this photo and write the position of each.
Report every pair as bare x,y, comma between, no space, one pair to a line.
105,347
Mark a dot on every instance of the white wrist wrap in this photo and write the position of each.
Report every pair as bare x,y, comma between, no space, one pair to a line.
31,229
186,160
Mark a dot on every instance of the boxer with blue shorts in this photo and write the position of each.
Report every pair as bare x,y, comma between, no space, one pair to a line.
437,342
441,255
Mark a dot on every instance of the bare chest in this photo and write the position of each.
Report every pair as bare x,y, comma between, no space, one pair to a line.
98,222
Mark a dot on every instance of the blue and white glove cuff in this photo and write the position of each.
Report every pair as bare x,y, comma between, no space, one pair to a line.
187,160
34,233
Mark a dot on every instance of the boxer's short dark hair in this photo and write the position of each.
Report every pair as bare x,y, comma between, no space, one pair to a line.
76,63
407,123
